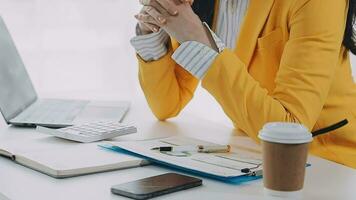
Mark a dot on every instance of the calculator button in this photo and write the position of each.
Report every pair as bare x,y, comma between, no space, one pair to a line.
92,131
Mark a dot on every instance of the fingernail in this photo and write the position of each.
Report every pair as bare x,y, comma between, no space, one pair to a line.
155,29
175,12
161,19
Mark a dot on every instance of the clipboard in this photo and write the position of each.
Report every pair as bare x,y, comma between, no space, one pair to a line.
231,173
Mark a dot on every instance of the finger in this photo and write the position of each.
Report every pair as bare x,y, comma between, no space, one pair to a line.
152,27
147,2
159,18
148,21
146,18
157,6
169,6
141,23
187,1
152,3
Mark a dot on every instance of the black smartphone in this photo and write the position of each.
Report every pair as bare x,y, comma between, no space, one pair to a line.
156,186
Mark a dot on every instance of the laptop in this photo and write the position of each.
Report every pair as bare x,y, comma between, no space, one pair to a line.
20,105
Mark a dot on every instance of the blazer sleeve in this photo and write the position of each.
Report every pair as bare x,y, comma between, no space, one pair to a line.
167,86
305,74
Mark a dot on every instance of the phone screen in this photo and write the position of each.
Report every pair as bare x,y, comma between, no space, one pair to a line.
155,186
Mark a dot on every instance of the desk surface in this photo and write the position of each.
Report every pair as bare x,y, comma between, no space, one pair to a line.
324,180
76,36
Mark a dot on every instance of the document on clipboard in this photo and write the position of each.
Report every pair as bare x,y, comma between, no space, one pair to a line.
230,166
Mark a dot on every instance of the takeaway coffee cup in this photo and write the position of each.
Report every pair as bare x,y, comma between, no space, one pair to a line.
285,151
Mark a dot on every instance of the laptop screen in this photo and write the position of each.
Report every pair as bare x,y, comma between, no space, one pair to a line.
16,89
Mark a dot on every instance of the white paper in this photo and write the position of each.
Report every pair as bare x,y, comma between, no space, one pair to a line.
218,164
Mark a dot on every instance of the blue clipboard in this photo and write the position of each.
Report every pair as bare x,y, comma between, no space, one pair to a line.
231,180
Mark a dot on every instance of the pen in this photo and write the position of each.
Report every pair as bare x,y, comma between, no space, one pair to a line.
198,148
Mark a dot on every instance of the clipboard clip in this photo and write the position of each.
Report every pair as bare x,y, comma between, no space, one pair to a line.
250,172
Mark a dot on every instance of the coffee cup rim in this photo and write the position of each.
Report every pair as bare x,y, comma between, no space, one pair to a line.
285,133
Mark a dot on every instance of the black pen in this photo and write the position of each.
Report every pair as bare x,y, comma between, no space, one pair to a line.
196,148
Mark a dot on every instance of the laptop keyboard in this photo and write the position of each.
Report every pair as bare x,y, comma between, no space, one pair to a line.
51,111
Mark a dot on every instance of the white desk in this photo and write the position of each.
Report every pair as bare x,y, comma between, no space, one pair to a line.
76,36
2,197
324,180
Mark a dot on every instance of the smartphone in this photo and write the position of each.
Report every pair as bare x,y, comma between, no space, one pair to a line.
156,186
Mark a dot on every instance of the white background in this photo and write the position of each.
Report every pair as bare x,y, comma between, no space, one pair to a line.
80,49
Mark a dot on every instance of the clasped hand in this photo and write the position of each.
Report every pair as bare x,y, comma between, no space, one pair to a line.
176,17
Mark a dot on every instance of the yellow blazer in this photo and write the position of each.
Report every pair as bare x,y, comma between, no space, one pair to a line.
289,65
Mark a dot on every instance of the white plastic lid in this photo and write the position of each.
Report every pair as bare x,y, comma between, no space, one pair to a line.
285,133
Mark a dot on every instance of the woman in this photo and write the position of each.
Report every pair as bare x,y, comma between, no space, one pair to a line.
268,60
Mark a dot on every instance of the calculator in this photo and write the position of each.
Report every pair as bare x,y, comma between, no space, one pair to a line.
90,132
